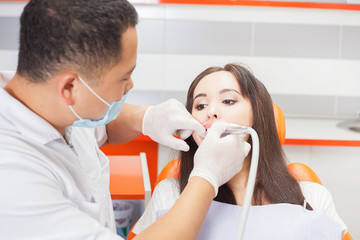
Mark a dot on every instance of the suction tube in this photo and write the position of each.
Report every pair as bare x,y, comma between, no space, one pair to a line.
251,181
236,129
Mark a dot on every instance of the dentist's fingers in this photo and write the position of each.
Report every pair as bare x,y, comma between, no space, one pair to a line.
188,127
178,144
219,158
162,121
184,134
217,129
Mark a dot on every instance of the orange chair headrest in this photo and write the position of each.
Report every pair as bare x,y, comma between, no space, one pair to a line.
280,122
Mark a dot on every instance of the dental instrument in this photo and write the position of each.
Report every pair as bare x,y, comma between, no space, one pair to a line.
236,129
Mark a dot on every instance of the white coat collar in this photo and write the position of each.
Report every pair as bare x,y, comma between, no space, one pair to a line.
25,121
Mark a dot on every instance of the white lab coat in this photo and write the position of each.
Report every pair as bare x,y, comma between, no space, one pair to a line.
51,189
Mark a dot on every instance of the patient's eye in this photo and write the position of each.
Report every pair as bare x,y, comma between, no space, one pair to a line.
200,106
229,101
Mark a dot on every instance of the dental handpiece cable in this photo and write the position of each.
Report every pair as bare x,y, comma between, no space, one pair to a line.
252,173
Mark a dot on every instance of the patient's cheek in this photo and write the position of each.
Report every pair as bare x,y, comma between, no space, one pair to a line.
197,138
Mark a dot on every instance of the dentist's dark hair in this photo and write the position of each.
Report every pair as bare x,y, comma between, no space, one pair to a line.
273,181
83,36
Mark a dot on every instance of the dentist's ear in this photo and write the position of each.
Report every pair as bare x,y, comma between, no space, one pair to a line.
65,88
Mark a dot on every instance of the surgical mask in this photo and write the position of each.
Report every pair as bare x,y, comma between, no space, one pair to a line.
112,112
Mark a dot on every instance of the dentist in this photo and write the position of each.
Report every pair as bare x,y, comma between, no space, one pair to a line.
66,100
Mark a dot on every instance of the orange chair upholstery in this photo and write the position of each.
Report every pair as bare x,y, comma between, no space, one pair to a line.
301,172
171,170
131,234
347,236
280,123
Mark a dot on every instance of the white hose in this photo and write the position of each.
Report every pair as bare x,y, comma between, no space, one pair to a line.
250,183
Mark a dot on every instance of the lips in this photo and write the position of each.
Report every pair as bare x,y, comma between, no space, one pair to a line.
207,125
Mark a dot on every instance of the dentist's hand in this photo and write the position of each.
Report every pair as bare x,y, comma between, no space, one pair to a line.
218,158
163,121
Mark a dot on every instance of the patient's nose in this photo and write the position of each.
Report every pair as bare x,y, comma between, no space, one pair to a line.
213,112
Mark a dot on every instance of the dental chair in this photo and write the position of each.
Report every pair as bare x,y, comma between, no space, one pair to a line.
299,171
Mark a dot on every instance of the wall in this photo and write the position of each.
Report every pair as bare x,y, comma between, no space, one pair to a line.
337,168
309,59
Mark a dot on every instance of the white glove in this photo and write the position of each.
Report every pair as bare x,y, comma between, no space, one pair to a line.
218,158
163,121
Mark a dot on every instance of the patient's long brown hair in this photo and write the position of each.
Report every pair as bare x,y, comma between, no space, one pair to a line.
273,181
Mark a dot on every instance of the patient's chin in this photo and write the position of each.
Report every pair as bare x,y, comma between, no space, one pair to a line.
197,138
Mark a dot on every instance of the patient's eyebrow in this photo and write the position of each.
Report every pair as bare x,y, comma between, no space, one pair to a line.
221,92
200,95
229,90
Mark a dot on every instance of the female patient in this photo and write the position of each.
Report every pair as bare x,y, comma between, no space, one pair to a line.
233,94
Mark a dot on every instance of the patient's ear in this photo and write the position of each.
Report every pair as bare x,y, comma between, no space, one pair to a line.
65,86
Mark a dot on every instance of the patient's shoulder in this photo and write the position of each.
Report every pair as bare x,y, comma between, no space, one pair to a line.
164,197
167,192
314,192
319,198
169,184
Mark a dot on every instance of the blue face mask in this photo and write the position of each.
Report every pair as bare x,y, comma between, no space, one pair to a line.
112,112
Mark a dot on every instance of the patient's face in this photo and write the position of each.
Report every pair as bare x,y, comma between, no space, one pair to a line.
217,97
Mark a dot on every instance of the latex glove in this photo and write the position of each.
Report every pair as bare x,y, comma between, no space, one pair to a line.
163,121
219,158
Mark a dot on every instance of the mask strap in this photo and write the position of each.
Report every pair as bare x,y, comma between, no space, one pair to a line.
71,108
93,91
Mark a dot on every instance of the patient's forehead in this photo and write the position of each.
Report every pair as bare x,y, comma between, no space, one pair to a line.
215,82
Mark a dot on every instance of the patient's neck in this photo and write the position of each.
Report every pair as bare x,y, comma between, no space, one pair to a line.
238,183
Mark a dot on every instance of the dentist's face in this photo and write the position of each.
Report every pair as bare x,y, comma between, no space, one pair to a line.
217,97
114,83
